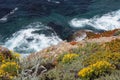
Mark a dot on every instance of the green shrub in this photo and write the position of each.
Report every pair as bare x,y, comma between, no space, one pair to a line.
113,46
113,58
115,75
10,67
95,70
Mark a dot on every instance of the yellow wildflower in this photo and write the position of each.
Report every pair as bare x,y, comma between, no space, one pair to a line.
17,55
83,72
69,57
10,67
11,77
95,69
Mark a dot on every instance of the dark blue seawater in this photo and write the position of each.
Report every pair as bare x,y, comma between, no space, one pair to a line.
31,25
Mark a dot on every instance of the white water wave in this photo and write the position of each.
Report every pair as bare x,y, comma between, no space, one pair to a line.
107,21
26,41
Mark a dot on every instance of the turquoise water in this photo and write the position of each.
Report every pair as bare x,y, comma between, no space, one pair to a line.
47,22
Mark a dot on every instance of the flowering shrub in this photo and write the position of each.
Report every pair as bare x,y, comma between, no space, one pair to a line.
10,67
113,46
8,70
85,72
16,55
113,58
95,70
69,57
1,58
2,73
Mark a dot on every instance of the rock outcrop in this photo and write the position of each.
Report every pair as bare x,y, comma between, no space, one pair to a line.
78,36
5,52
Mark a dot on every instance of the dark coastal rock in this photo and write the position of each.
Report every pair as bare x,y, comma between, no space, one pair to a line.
117,33
5,52
57,28
78,35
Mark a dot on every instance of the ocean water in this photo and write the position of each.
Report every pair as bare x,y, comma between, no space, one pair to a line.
27,26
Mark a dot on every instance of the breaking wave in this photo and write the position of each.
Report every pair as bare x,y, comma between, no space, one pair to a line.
31,39
107,21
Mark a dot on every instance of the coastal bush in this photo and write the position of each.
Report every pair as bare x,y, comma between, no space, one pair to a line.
115,75
1,58
113,46
113,58
92,60
67,58
4,75
13,57
16,55
66,68
56,74
88,48
95,70
9,66
64,71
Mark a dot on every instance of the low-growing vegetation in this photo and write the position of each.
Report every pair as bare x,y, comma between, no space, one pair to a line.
113,46
113,58
91,35
9,65
91,61
67,58
95,70
94,62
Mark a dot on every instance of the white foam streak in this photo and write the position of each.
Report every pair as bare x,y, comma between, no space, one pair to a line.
4,18
54,1
108,21
79,22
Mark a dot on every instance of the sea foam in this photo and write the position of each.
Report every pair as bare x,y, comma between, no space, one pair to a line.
26,41
107,21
